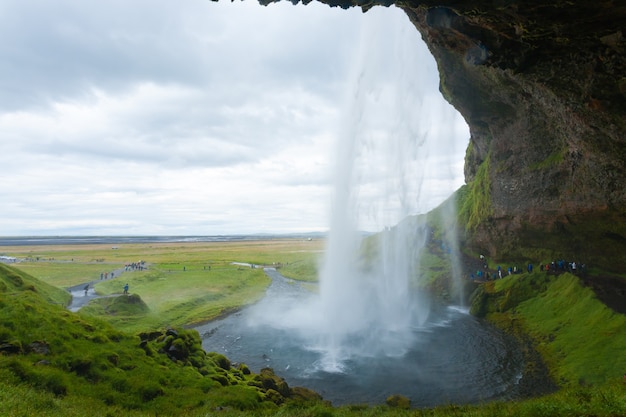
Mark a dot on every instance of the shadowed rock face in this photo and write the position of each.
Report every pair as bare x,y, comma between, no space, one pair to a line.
542,86
542,89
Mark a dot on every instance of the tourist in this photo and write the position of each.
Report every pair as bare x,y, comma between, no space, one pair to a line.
126,289
86,289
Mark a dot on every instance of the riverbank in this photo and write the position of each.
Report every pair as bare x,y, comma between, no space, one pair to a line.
579,337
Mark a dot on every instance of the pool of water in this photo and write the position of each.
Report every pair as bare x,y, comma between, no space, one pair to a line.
453,357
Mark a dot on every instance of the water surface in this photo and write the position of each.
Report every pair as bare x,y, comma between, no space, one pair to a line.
454,357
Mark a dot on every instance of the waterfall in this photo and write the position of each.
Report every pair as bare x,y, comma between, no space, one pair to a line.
367,304
392,144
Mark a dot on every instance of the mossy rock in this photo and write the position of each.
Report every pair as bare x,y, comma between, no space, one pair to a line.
271,381
398,401
244,369
304,395
220,360
221,379
274,396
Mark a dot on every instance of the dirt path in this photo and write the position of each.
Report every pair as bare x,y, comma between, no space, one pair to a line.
81,299
611,290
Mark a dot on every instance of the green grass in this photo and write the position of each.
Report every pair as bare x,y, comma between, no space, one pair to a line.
475,197
95,369
58,360
582,338
66,265
14,282
579,337
185,283
66,273
177,297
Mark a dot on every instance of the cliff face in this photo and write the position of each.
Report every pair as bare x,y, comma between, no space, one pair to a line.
542,86
543,90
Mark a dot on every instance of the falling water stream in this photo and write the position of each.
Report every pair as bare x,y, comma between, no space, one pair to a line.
368,333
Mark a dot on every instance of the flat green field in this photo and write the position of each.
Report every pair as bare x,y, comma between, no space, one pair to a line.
182,283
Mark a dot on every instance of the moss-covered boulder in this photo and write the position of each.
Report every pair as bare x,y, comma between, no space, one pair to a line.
398,401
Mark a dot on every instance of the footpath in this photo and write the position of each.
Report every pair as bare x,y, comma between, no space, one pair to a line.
81,299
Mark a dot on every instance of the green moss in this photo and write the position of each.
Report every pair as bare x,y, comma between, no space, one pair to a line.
474,199
553,159
398,401
13,280
580,338
72,356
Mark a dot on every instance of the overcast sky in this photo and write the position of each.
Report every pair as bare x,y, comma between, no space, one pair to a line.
154,117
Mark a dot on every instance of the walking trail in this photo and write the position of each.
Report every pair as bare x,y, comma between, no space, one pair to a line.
80,299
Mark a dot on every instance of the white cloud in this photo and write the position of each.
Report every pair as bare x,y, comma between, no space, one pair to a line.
153,117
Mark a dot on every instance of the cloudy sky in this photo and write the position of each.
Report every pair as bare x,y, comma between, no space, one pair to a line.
153,117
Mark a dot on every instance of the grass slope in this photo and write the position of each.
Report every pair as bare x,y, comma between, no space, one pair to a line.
61,363
179,297
57,363
579,337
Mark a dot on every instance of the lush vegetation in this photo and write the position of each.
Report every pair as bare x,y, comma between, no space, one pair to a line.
580,338
475,197
68,265
61,363
117,356
177,297
182,283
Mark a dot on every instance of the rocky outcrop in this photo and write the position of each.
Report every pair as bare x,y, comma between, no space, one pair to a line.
542,86
542,89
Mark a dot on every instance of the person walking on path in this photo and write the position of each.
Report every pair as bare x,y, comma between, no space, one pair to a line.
126,289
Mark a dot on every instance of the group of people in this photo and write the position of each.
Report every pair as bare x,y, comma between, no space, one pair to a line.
87,289
105,275
135,266
555,267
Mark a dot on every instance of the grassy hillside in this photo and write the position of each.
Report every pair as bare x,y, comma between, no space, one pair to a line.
57,363
580,338
54,362
185,282
176,297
